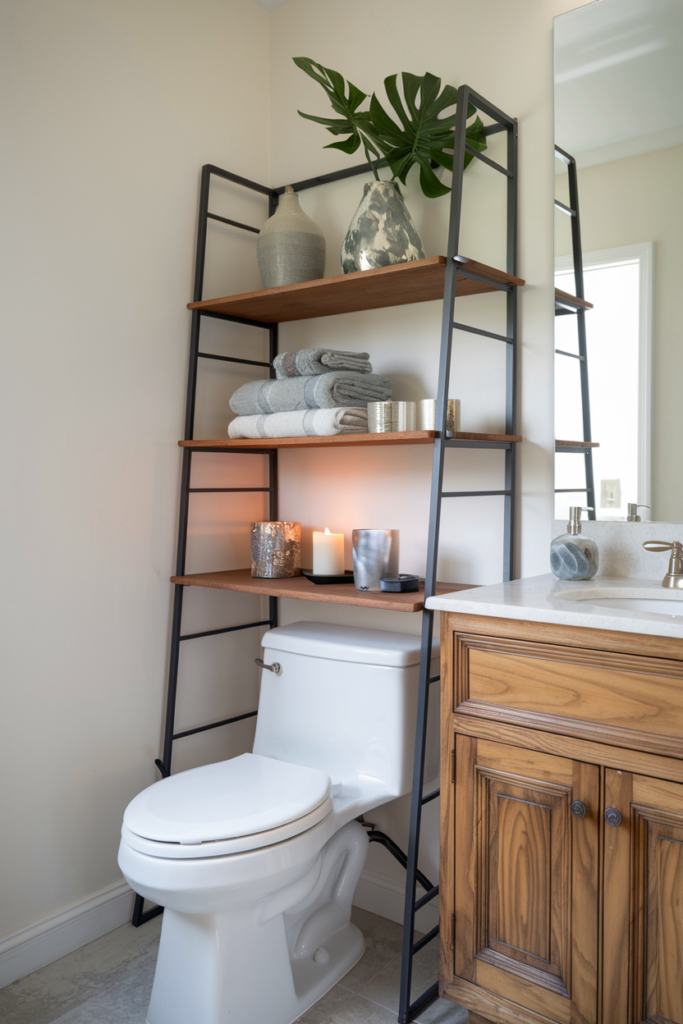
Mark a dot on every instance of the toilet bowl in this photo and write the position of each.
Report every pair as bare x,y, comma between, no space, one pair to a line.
256,859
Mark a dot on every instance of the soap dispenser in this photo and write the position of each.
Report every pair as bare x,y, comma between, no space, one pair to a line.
572,556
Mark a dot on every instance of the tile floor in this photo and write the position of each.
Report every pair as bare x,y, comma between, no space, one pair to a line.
109,982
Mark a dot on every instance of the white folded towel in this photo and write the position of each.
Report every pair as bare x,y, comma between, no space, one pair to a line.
302,423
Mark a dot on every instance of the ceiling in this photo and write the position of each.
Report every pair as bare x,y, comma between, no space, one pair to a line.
619,79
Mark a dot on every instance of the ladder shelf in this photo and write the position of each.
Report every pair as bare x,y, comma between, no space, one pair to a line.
577,305
441,277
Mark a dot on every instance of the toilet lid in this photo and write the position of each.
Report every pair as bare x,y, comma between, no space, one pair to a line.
240,797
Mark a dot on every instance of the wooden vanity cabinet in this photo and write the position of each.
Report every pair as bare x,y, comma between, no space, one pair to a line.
561,882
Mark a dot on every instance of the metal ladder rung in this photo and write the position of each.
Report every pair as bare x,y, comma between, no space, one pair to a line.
417,946
214,725
572,355
473,494
478,330
234,223
430,796
421,1001
426,898
231,359
225,629
434,679
227,490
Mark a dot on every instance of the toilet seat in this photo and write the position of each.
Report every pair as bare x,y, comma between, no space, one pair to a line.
242,804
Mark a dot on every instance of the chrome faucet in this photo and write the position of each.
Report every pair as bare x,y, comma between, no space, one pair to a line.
674,575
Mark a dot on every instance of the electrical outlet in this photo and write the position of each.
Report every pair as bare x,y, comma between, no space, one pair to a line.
610,494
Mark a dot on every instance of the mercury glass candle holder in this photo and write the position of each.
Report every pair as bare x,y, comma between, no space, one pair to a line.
275,550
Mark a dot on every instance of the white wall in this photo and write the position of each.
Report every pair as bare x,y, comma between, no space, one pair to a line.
625,202
110,110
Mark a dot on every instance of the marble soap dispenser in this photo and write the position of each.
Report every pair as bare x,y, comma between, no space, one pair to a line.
572,556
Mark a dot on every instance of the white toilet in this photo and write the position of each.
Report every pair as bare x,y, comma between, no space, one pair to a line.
256,859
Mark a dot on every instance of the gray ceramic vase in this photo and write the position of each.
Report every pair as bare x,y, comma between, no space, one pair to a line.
381,232
291,246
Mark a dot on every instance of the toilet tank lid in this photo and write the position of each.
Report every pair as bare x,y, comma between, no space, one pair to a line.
347,643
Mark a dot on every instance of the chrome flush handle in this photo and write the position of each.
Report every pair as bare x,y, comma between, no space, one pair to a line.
276,667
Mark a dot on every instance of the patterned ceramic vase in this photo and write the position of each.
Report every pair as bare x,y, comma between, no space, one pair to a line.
291,246
381,232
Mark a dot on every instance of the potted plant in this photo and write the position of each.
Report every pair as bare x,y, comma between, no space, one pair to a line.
382,231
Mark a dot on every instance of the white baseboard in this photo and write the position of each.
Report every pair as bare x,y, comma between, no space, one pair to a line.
384,895
28,949
38,945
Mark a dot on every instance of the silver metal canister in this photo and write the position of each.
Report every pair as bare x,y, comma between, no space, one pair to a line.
387,417
375,554
426,415
275,550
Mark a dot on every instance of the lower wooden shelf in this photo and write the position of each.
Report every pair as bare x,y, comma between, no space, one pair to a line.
301,589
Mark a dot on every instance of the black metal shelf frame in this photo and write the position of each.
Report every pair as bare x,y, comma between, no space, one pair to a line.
562,309
456,265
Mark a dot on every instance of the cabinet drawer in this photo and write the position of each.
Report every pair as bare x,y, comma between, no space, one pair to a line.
572,690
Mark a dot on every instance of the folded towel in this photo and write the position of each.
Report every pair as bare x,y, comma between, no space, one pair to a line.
324,391
310,361
302,423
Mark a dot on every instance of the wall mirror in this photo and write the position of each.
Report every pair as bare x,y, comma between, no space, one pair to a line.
619,259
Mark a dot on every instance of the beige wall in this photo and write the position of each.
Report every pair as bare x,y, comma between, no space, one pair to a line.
622,203
111,109
510,64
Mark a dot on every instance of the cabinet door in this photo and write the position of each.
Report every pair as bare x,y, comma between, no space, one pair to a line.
521,872
643,909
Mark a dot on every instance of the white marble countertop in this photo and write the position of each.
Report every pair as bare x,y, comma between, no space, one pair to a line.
547,599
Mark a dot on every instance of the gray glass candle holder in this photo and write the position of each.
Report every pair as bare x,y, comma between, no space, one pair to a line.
375,554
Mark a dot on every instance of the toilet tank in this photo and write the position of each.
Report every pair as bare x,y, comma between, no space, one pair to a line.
345,702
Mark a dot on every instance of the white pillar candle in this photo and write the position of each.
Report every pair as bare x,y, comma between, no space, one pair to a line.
328,553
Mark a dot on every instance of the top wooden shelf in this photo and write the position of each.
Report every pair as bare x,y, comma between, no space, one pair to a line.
400,285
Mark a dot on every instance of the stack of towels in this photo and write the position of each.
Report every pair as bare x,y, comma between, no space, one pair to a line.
316,392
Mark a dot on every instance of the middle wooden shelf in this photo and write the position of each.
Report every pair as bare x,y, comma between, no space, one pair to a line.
349,440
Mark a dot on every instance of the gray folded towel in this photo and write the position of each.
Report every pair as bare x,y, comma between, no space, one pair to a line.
302,423
324,391
310,361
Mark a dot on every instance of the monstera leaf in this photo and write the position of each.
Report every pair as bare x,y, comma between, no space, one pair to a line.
420,136
354,123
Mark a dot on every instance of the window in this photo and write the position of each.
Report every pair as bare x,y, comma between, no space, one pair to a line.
618,330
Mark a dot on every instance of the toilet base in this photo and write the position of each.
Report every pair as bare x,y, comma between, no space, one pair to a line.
265,961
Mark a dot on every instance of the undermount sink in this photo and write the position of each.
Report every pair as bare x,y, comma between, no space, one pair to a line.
659,602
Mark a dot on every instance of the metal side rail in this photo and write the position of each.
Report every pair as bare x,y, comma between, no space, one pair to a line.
186,490
457,266
564,309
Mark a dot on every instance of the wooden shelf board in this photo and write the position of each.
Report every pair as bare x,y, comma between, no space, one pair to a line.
565,299
577,444
405,283
301,589
343,440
